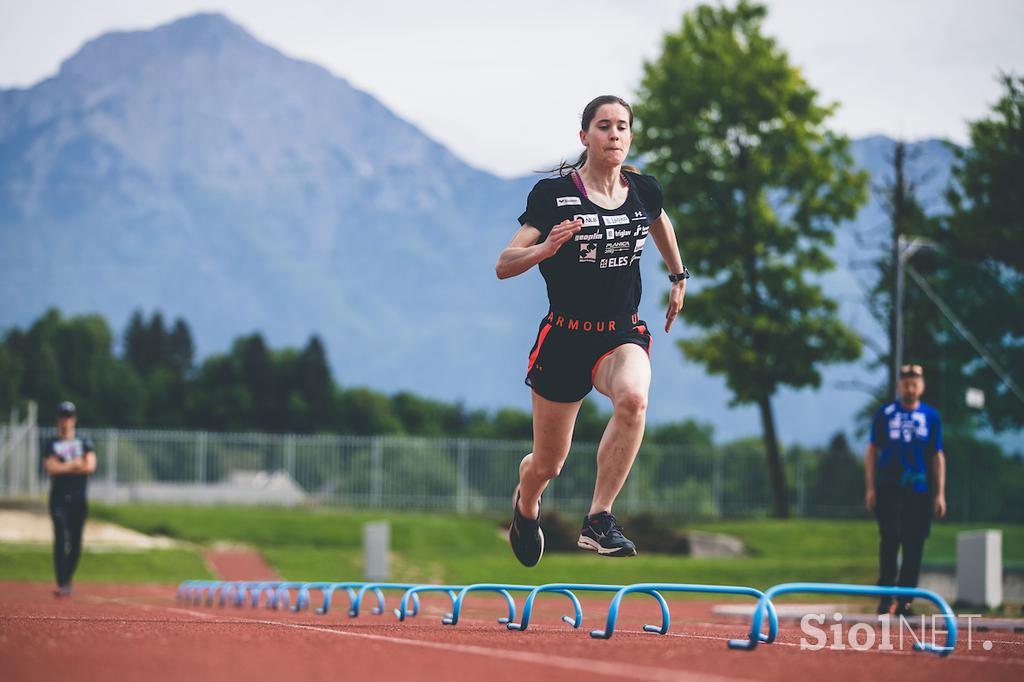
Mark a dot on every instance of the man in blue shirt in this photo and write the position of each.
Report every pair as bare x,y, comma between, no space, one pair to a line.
905,477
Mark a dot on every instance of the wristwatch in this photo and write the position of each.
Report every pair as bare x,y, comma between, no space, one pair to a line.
685,274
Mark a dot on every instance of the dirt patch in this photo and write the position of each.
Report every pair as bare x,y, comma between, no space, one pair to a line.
32,528
239,564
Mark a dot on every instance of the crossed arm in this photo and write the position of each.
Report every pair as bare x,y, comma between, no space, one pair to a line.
84,465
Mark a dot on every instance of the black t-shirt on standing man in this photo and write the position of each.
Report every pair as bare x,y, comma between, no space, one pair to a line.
596,274
65,485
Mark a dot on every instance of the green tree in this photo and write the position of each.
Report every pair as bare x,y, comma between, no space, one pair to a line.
181,348
835,486
755,183
984,231
10,376
315,385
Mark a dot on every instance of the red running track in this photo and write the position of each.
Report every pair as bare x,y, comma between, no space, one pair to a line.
108,632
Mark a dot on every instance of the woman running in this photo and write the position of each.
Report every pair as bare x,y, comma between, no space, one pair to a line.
587,229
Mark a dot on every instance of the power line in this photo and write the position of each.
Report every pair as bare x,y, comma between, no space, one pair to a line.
965,332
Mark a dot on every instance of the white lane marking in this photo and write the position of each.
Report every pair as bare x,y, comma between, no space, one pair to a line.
127,602
636,672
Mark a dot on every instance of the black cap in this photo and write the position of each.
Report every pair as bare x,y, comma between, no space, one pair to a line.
66,409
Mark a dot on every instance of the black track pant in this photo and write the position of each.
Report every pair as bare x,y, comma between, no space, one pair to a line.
904,519
68,513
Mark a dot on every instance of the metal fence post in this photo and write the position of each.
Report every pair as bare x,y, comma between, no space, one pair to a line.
376,472
201,457
289,454
716,480
111,457
800,496
462,491
16,455
33,448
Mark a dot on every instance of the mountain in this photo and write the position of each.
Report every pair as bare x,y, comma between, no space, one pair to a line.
192,169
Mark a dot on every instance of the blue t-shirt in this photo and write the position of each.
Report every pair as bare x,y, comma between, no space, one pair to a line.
907,441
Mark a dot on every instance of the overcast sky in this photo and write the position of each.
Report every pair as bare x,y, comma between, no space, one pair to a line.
469,73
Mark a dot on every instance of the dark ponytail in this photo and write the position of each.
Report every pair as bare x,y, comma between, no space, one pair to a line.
586,119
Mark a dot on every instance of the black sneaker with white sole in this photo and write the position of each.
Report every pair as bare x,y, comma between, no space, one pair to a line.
525,536
601,533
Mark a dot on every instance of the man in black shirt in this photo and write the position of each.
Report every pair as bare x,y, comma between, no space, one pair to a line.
69,459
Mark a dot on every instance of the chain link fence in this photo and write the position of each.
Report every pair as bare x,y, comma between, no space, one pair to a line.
401,472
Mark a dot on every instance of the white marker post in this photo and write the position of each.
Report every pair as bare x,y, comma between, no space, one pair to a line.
376,544
979,568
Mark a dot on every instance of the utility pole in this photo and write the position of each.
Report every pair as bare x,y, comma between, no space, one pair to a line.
905,250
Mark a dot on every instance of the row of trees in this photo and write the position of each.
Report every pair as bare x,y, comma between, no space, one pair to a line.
756,183
155,382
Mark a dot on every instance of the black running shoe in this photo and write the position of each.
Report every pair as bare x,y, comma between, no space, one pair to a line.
884,607
601,533
903,609
525,536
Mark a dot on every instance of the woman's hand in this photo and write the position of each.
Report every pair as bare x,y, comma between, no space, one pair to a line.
523,252
560,234
675,302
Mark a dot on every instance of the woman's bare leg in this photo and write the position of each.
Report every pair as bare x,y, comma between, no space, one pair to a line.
553,424
625,377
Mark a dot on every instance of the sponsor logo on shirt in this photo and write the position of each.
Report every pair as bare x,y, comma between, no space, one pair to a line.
615,262
588,253
568,201
588,237
641,231
635,258
589,220
616,219
904,427
612,233
615,247
639,216
68,450
639,244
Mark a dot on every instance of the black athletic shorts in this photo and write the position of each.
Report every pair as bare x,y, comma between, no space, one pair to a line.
568,350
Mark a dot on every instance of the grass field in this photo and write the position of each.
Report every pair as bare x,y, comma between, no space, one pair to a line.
326,543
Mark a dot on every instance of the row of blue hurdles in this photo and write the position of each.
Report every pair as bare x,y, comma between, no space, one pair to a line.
277,594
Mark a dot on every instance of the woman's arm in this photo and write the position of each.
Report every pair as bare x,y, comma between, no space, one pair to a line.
664,236
523,252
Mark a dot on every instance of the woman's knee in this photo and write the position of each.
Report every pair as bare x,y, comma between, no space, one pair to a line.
631,404
546,470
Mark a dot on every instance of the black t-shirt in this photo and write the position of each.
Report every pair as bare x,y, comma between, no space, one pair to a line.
597,273
65,451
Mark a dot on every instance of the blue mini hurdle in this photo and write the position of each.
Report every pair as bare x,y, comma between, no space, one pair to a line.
503,589
656,588
568,588
750,643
